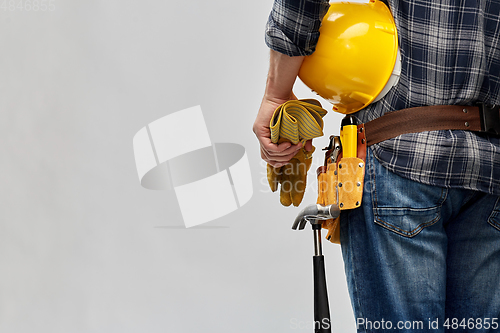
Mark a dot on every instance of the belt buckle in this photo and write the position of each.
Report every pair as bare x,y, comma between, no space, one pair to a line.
490,118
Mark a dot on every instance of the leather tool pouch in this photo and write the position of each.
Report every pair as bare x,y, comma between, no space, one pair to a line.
341,180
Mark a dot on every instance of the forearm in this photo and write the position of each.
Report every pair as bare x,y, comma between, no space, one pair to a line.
283,71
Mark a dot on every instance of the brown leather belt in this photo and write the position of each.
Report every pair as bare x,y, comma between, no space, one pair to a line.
479,118
432,118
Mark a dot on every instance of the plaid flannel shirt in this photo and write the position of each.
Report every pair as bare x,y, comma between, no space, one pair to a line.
450,52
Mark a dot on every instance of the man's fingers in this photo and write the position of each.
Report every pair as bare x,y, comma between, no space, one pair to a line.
273,148
282,149
308,146
280,154
277,160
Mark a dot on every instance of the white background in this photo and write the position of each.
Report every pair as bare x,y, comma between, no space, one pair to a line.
83,247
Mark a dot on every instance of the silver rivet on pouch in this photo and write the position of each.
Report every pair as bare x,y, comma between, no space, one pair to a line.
358,183
341,205
360,165
466,124
340,184
465,110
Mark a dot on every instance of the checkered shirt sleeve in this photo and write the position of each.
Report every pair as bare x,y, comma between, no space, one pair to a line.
293,26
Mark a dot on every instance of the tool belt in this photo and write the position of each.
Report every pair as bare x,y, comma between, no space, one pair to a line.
341,179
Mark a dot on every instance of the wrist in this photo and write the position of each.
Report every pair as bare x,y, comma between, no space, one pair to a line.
274,99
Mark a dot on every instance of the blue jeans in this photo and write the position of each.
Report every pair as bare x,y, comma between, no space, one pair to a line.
421,258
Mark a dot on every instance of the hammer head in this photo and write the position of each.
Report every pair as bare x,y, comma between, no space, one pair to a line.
314,214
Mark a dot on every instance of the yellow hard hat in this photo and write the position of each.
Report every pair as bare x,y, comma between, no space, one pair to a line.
355,55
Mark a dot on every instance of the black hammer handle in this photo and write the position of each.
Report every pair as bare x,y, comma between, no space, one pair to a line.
321,309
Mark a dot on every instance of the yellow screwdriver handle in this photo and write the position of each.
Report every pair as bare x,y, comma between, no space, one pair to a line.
349,136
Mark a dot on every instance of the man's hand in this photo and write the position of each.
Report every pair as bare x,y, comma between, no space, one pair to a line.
274,154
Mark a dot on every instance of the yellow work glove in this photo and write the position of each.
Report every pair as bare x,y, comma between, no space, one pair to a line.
295,121
292,177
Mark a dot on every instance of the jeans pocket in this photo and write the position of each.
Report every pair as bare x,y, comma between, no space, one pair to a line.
401,205
406,222
494,219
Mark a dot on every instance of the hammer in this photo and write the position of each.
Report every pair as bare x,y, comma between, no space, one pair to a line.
315,214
